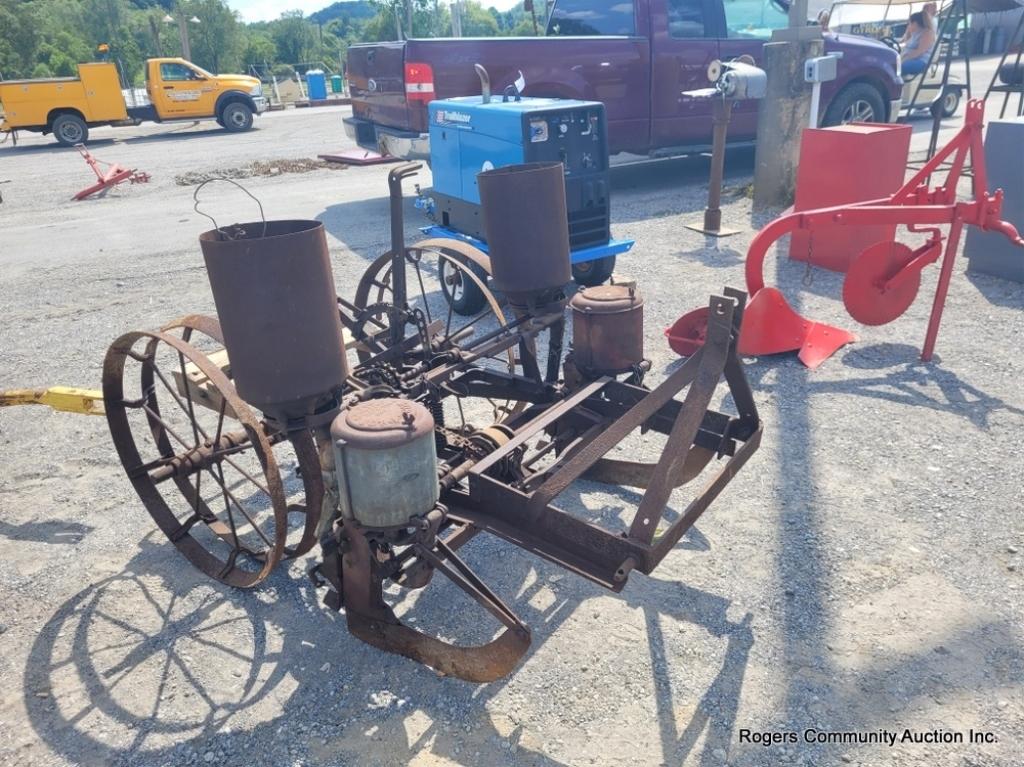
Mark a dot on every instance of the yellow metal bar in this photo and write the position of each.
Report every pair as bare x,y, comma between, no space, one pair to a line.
64,398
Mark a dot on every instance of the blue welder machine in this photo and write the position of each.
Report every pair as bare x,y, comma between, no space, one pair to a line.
473,134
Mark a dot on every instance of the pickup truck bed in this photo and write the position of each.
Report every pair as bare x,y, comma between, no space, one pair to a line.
640,76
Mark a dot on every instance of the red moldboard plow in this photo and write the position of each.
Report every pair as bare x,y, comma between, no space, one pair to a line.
883,281
114,175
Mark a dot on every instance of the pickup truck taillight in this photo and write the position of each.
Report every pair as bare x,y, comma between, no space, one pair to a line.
419,81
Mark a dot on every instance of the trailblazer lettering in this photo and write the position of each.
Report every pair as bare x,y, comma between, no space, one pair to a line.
446,116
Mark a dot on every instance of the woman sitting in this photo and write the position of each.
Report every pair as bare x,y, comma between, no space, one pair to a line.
920,39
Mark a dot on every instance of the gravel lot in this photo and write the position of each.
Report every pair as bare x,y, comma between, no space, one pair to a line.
864,571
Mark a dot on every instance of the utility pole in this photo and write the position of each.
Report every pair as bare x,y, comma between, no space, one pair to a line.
154,28
456,11
785,110
183,22
528,6
186,48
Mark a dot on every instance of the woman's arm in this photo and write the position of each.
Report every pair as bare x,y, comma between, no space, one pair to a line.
924,45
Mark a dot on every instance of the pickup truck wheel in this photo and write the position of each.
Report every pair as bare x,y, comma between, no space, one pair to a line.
70,130
236,117
857,102
596,272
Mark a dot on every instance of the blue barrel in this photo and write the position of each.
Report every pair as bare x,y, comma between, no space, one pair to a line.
317,84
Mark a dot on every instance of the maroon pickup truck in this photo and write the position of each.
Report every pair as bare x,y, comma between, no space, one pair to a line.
636,56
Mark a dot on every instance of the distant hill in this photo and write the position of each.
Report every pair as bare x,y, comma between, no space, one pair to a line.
351,9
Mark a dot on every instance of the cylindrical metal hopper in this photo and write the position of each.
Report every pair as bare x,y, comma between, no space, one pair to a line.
608,329
527,229
278,309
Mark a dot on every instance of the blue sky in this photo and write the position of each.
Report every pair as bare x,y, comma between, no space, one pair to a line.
265,10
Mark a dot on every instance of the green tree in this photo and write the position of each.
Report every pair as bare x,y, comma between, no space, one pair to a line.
293,36
216,41
259,48
477,22
19,38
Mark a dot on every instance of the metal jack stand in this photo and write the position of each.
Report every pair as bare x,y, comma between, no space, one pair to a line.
732,81
713,212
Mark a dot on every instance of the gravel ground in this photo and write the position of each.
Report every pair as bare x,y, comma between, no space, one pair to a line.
862,573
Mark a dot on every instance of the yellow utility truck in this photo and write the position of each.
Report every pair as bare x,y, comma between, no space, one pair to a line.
175,90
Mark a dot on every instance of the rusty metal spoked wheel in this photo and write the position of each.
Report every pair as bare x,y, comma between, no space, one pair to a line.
206,467
428,263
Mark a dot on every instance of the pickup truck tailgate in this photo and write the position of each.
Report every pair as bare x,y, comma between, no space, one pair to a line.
376,77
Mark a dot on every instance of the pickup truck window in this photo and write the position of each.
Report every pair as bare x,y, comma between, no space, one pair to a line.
753,19
171,72
576,18
685,18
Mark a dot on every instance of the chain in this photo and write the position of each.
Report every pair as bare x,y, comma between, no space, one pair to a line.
808,278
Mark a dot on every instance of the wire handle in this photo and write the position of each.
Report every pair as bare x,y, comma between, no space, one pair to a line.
236,230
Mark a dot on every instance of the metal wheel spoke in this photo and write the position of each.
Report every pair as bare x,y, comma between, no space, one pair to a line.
188,397
231,520
177,399
451,310
229,495
163,424
423,292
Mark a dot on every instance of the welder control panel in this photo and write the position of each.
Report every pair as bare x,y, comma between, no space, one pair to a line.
574,137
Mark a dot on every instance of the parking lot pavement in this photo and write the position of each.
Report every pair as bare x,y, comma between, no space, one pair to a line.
862,573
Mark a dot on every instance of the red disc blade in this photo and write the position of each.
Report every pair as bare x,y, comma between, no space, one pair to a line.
688,333
868,298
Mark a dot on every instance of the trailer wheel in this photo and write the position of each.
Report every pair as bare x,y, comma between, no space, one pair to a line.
596,272
461,292
236,117
70,130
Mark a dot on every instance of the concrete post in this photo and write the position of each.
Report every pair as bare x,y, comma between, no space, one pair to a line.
784,113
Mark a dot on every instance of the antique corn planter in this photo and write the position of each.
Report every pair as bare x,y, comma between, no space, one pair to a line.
412,434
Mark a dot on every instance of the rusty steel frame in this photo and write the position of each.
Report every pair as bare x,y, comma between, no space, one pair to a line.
503,478
695,435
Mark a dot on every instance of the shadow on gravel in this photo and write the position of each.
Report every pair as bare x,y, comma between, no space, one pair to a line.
715,714
873,688
45,532
158,665
997,291
174,133
713,254
901,377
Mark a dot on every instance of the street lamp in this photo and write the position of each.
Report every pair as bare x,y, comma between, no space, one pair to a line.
186,50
